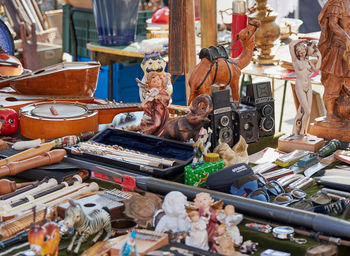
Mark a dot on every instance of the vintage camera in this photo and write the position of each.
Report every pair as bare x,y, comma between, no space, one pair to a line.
245,122
259,95
221,119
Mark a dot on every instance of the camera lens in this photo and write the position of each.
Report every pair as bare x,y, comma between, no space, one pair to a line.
267,110
224,121
267,124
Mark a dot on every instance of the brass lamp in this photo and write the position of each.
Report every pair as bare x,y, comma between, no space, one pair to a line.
267,33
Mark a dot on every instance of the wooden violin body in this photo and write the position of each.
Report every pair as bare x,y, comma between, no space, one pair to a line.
73,79
10,65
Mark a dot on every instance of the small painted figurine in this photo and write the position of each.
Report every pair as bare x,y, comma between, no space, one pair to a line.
175,218
86,225
153,62
203,202
200,148
198,236
301,50
155,105
129,246
223,243
44,239
238,154
249,247
231,219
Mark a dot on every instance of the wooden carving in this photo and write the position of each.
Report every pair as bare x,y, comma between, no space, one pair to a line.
334,45
221,70
187,127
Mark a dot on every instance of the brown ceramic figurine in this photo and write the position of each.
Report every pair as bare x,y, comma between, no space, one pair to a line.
153,62
334,45
155,105
238,154
187,127
223,243
216,67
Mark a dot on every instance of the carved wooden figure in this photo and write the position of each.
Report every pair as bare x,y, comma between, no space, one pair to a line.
334,45
221,69
300,50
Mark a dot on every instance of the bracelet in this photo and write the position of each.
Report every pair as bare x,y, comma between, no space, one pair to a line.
286,232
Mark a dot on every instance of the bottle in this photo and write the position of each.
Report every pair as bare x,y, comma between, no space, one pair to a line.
239,22
329,148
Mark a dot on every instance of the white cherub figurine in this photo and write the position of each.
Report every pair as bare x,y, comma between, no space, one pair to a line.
198,236
175,218
231,219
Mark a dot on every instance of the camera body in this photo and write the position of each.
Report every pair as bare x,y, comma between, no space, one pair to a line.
221,119
252,118
259,95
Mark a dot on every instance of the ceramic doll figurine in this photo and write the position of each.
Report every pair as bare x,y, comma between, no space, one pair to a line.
231,219
129,246
203,202
153,62
175,218
200,148
222,242
300,51
155,105
198,236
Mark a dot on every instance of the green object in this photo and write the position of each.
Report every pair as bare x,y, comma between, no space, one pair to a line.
84,28
141,22
197,177
329,148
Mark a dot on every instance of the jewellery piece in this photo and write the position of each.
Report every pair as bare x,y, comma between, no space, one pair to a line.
259,227
286,232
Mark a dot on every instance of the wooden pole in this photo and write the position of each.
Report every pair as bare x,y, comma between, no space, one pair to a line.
190,43
208,23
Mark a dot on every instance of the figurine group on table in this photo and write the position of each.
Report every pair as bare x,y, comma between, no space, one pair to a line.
206,224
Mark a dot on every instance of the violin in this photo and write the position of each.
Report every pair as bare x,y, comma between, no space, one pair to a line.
10,65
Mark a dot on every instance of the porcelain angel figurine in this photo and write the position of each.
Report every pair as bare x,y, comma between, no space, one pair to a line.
300,51
205,205
231,219
175,218
198,236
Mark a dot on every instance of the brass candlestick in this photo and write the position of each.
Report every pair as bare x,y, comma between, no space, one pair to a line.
267,33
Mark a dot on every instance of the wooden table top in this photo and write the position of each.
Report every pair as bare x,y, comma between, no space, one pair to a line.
275,71
127,51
